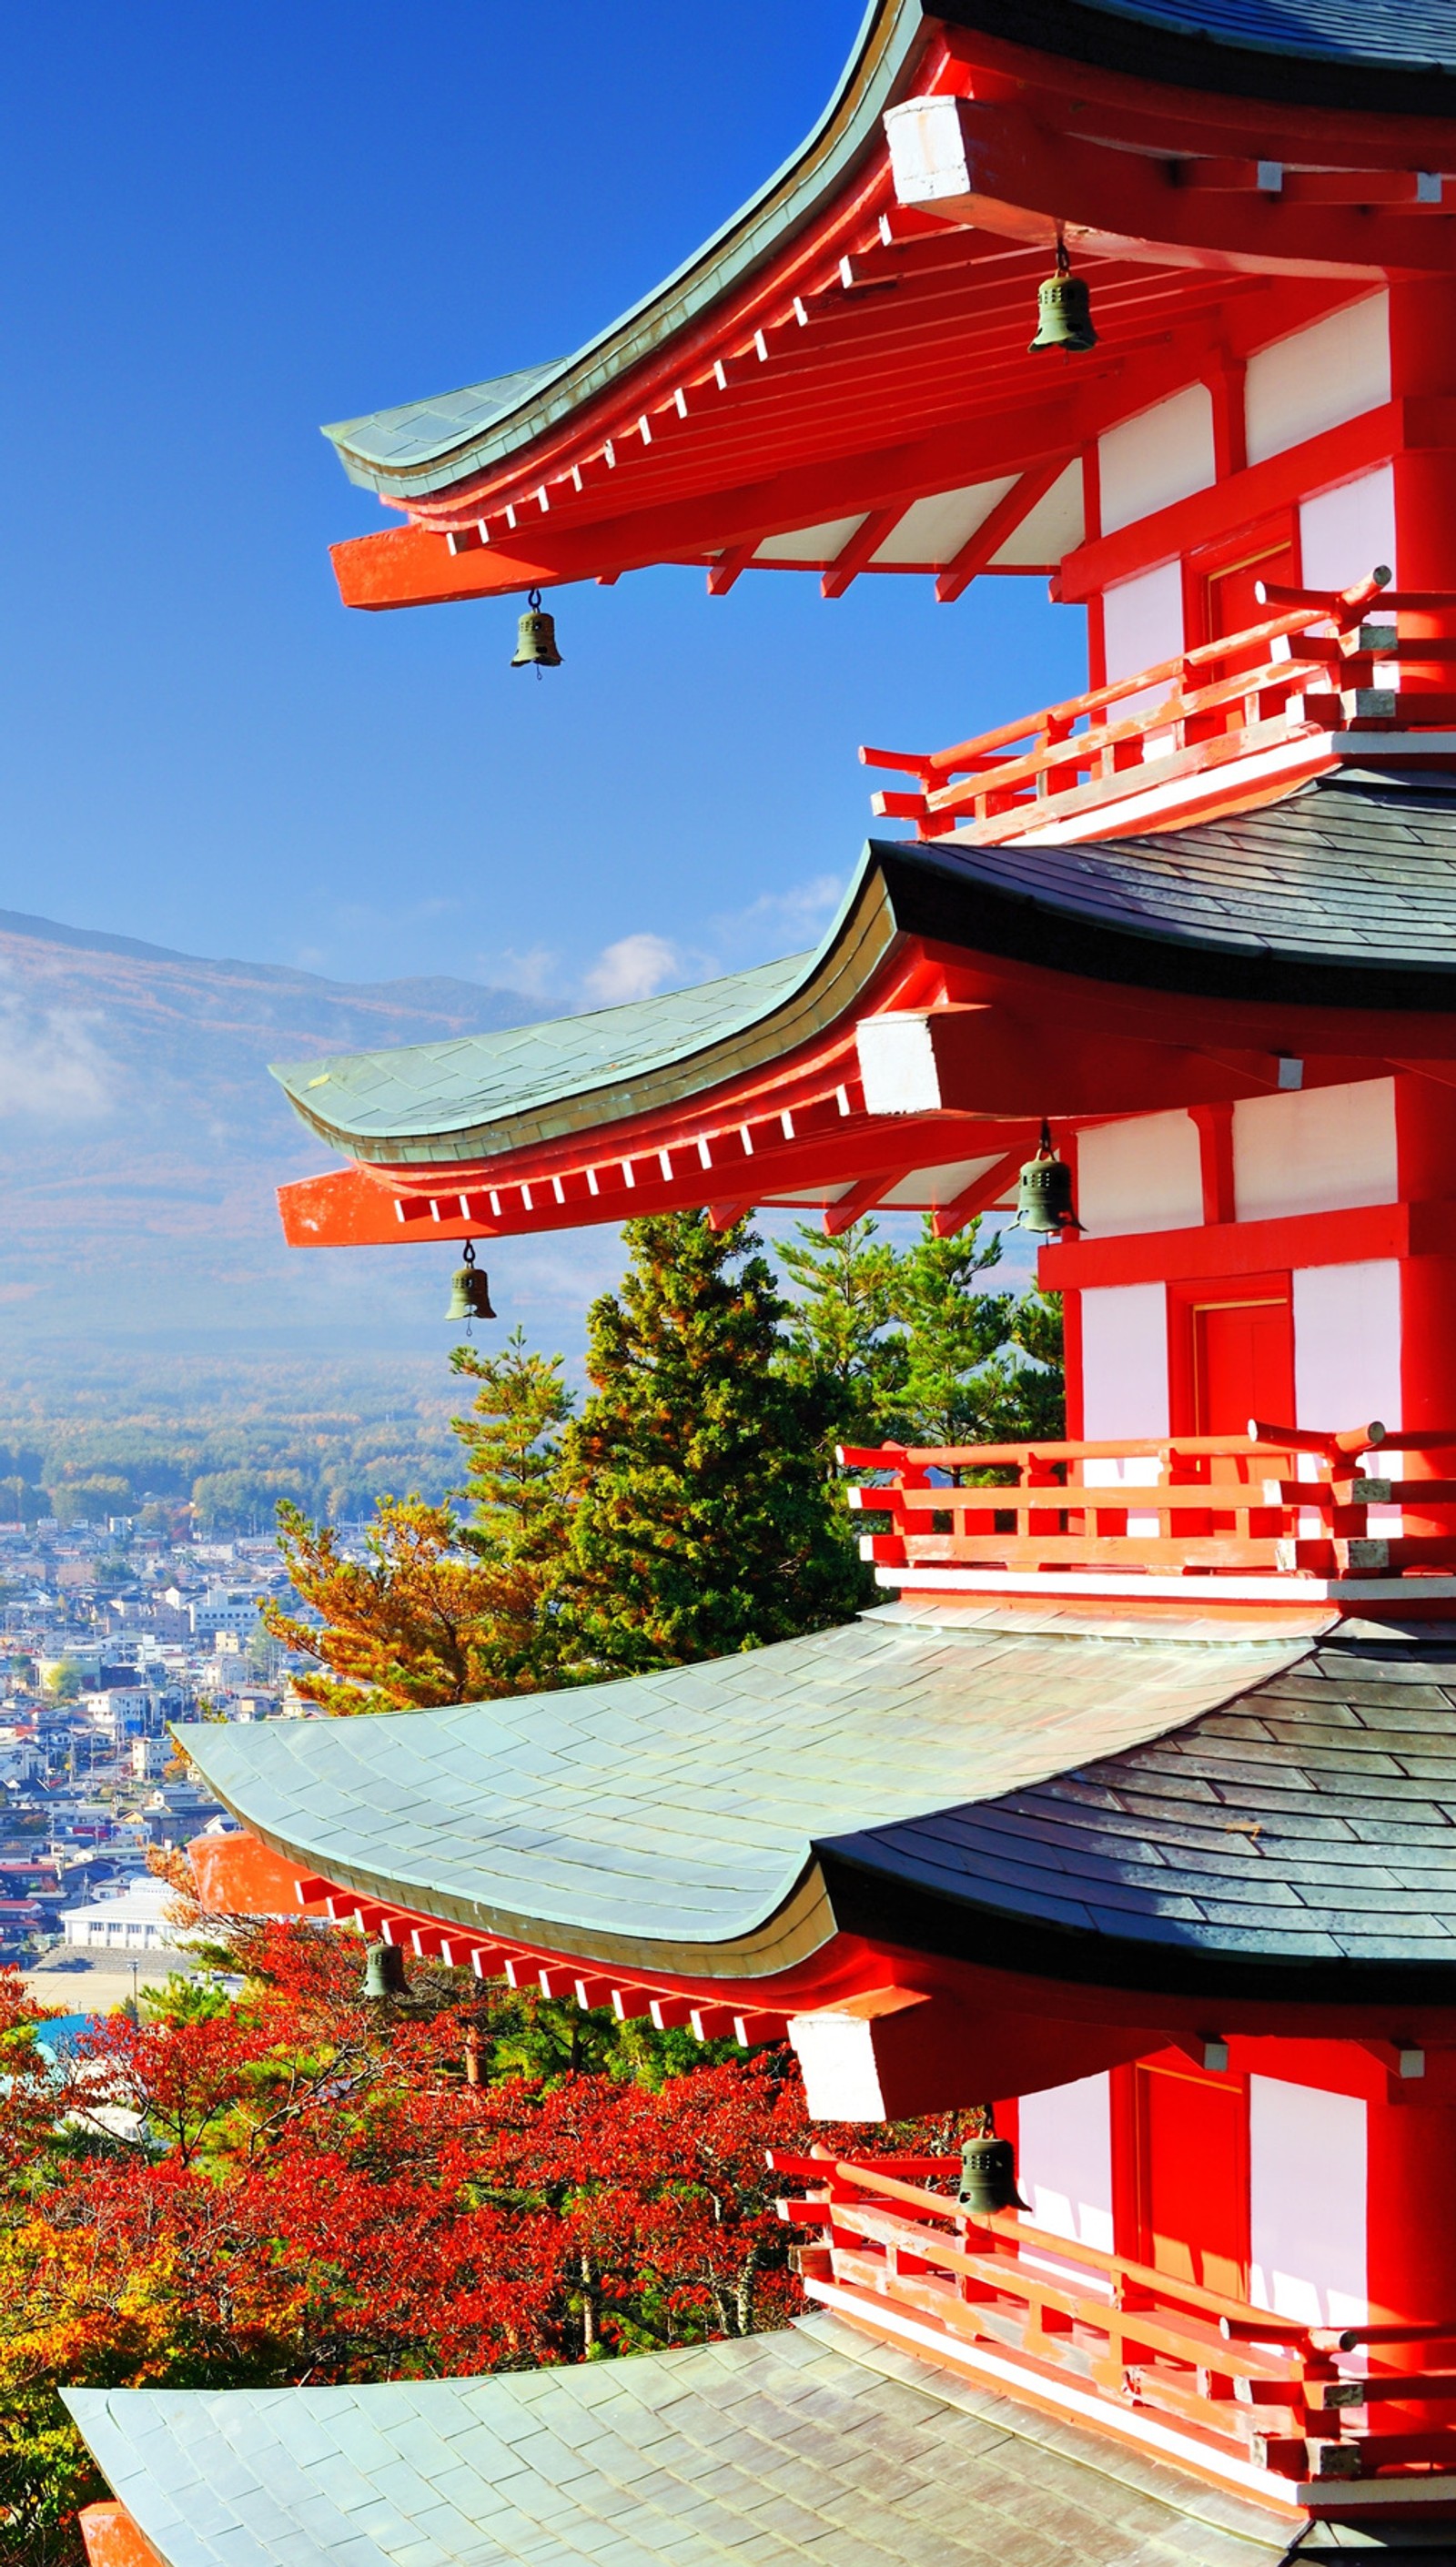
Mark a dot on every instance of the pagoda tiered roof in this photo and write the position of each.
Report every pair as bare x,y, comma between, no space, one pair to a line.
1078,981
1249,1813
812,2443
839,379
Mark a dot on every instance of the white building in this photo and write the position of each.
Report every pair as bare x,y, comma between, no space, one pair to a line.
131,1921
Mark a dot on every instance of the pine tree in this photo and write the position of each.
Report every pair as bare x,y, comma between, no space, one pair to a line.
702,1523
840,1334
966,1376
440,1610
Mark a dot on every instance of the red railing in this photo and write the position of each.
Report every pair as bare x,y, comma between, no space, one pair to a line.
1074,756
1301,2402
1219,1504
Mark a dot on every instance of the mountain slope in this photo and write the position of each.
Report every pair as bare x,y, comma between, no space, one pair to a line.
141,1139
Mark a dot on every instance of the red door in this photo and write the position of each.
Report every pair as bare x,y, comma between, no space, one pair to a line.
1243,1364
1193,2178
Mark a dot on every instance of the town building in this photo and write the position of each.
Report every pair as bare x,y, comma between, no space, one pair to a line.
134,1920
1129,1811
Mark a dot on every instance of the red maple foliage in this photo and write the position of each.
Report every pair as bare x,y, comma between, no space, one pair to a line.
294,2182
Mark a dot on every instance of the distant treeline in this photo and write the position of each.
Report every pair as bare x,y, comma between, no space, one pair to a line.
232,1467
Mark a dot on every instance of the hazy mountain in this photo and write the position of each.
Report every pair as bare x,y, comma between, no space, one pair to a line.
142,1138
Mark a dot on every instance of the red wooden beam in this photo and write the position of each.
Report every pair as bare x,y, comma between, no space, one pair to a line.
861,548
977,1198
842,1216
995,530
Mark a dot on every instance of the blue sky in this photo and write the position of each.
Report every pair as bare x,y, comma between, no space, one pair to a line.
220,228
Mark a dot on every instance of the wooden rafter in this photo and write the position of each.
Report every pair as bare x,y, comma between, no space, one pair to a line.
861,548
977,1198
996,530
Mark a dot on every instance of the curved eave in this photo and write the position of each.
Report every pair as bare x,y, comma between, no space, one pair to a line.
1337,899
890,36
664,1074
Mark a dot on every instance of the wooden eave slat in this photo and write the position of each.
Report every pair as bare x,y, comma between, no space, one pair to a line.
801,403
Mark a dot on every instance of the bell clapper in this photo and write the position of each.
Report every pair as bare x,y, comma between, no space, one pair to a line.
535,637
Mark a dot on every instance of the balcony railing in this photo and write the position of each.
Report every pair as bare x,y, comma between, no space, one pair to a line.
1281,1501
1278,683
1266,2395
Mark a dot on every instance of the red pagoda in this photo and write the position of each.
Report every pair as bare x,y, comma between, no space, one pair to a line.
1132,1809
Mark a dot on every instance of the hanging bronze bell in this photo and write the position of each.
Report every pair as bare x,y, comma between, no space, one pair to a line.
383,1973
1064,311
1043,1192
535,637
989,2177
470,1292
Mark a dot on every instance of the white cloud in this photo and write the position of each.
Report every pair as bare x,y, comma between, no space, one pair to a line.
535,974
636,966
52,1068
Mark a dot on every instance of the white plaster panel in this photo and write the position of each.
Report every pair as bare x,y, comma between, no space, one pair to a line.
1315,1149
1306,2204
1064,2159
1142,623
1345,533
1143,1174
934,529
1347,1347
1313,380
897,1063
810,543
836,2053
1053,528
1163,454
1124,1362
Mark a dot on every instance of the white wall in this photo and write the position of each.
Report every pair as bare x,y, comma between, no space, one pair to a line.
1064,2159
1163,454
1142,623
1143,1174
1313,380
1124,1362
1315,1149
1345,533
1306,2202
1347,1347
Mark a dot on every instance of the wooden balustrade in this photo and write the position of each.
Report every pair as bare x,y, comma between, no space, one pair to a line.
1301,2403
1211,1505
1281,679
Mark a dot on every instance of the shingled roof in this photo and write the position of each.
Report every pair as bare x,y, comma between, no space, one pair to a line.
813,2444
1176,1812
1355,53
1342,894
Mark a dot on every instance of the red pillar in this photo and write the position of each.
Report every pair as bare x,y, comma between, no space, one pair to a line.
1423,364
1411,2231
1425,1129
